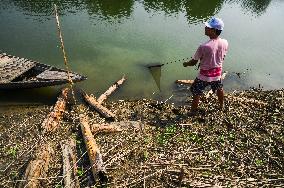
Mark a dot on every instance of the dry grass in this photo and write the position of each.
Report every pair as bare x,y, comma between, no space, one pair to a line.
161,146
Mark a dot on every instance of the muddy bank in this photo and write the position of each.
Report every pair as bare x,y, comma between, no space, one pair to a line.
160,145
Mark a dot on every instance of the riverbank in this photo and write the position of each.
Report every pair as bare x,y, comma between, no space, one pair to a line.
160,145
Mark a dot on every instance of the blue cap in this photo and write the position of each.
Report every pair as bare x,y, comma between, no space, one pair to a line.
215,23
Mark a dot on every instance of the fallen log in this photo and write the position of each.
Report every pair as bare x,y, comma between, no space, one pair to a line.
69,164
97,106
191,81
110,90
106,128
52,121
184,81
37,168
93,150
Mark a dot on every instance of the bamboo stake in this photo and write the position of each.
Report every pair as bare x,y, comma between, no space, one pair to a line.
52,120
111,89
64,52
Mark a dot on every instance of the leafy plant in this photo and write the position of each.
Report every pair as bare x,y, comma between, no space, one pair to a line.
14,174
258,162
195,138
80,171
13,151
145,155
163,137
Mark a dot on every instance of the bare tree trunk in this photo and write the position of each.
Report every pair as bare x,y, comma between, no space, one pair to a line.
110,90
52,120
69,163
37,168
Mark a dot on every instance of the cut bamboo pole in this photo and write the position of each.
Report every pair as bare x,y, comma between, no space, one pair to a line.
69,163
94,153
98,107
37,168
52,120
110,90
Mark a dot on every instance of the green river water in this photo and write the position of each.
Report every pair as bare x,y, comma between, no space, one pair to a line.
105,39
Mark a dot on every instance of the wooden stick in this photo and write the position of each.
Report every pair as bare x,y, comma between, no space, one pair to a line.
69,164
52,120
37,168
110,90
98,107
93,150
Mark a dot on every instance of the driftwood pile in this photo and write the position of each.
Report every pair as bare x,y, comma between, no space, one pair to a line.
38,167
158,144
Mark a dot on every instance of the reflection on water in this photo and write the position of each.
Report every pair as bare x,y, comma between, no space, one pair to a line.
105,39
110,10
257,7
113,10
156,74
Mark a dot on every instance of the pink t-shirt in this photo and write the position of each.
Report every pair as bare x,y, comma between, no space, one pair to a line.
211,55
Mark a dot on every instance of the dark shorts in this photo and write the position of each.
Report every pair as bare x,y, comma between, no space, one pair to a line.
198,86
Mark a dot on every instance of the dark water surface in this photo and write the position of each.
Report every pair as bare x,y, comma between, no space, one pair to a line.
105,39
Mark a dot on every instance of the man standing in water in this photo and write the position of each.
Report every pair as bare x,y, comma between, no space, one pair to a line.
211,55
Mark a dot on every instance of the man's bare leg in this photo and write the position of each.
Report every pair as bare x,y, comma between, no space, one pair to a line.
220,94
195,103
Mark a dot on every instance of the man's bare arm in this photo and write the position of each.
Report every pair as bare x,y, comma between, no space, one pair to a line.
192,62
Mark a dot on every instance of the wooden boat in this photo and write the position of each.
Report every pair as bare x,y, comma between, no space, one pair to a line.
17,73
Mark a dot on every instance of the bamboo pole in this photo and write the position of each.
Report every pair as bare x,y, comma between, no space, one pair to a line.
64,52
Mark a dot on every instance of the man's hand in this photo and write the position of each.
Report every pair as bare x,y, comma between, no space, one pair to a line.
192,62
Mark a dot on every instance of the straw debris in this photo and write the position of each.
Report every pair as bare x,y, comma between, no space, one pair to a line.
158,144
